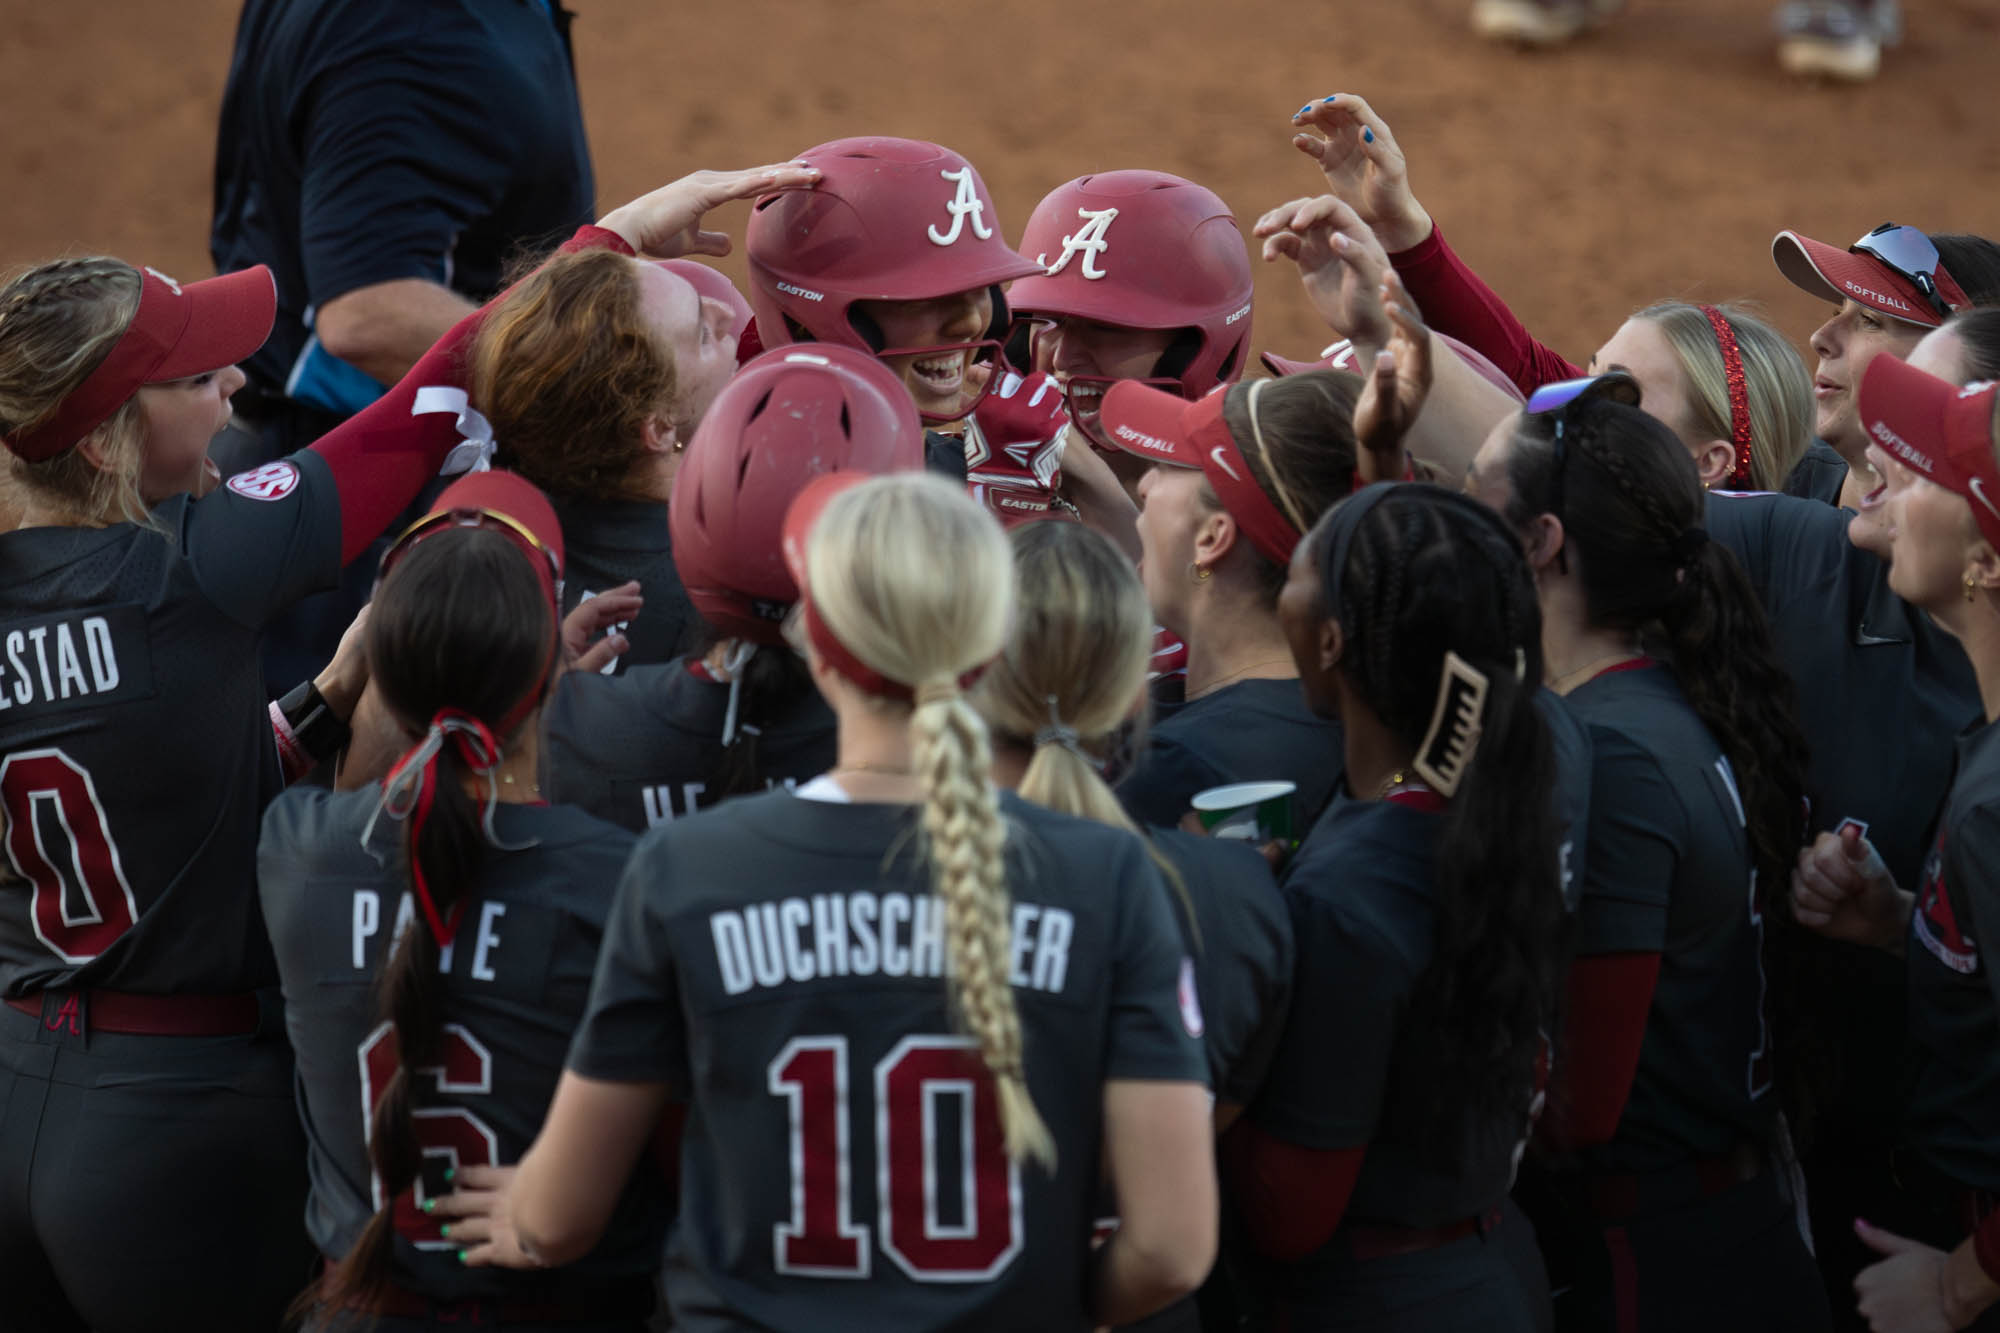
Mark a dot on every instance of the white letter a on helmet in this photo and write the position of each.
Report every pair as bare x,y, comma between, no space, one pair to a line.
966,203
1090,241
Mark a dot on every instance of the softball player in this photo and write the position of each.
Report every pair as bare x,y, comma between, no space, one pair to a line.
141,1029
592,373
900,255
1056,701
1666,1099
1375,1166
1233,480
1144,276
663,741
1938,456
791,964
436,936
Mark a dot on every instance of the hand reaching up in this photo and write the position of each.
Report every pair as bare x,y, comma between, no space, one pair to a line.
1364,166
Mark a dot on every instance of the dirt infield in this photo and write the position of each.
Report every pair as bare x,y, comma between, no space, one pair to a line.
1652,160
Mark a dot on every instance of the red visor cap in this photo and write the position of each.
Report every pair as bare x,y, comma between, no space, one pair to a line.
1163,428
1834,274
1939,430
180,329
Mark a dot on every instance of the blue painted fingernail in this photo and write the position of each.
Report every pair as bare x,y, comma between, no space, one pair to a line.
1330,97
1367,135
1302,110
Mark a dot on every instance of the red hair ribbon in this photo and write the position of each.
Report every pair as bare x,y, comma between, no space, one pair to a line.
1739,396
410,790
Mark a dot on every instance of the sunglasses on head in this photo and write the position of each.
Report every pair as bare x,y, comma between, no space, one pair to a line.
1556,401
492,519
1912,255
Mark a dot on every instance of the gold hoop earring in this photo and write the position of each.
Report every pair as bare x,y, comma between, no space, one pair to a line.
1201,573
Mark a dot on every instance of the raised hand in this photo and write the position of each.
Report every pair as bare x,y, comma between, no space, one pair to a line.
667,223
1363,165
1341,265
1395,389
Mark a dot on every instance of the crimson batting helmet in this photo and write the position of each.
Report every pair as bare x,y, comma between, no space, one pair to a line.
788,416
889,220
1145,250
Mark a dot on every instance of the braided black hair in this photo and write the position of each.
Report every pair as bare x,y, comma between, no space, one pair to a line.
1428,571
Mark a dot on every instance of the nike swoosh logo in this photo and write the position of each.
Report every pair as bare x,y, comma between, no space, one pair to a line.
1222,461
1979,490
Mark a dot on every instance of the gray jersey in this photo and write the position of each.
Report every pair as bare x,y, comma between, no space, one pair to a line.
137,748
516,978
779,961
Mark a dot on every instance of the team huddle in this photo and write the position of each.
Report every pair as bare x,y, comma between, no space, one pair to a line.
934,793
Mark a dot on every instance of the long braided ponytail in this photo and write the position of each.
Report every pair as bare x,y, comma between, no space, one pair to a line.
876,578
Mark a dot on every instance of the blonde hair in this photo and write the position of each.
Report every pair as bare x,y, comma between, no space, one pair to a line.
1071,673
917,581
1774,380
58,321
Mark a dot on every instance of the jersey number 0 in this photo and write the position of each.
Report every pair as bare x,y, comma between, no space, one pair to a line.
60,842
927,1090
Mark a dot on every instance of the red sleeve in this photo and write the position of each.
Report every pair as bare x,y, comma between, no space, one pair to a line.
382,456
1456,302
1291,1198
1610,996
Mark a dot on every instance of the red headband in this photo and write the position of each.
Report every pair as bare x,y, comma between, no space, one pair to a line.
178,330
1739,396
800,517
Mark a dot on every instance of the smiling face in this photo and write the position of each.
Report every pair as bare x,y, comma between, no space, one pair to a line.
1932,537
1171,509
1069,347
1941,353
936,381
1845,344
180,418
696,330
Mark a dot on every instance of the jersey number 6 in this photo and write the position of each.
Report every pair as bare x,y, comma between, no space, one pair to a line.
450,1132
928,1090
82,902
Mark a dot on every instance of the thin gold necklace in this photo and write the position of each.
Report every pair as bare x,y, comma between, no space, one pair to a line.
1564,683
1209,687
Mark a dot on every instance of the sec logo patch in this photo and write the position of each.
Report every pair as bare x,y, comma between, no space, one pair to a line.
273,481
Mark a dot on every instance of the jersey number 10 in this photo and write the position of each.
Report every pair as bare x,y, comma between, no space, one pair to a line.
916,1084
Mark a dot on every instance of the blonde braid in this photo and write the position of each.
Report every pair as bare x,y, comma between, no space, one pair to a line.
966,842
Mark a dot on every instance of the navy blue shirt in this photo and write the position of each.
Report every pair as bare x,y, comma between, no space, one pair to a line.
364,141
